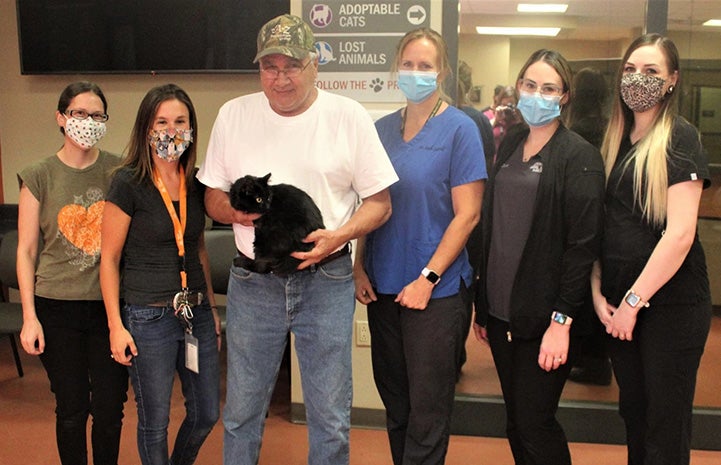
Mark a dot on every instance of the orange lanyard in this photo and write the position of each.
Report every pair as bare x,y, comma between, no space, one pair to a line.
178,223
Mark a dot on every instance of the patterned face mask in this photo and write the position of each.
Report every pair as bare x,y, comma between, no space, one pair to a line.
170,144
641,92
85,132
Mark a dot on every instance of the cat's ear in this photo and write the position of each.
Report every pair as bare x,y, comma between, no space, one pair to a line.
265,178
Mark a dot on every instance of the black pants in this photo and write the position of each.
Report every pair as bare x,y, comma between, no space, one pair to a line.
591,335
656,374
415,359
84,379
531,395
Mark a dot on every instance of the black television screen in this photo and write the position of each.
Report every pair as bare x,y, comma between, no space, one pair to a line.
141,36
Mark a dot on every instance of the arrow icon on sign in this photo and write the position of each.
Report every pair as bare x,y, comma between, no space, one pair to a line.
416,15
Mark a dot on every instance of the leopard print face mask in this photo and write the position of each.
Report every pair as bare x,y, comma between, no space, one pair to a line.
641,92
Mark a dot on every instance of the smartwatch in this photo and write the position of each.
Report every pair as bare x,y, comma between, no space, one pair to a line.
431,276
561,318
633,299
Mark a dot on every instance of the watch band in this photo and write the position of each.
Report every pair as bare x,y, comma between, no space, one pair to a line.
431,276
634,300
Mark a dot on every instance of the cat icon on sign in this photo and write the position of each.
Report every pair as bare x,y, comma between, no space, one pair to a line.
321,16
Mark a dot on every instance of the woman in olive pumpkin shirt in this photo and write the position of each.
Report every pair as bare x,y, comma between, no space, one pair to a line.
61,202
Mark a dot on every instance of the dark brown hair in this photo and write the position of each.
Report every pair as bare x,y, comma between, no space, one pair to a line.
139,155
75,89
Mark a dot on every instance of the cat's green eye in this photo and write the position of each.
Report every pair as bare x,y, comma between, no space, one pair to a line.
259,200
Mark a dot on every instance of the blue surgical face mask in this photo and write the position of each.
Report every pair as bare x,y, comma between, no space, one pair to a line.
538,110
417,85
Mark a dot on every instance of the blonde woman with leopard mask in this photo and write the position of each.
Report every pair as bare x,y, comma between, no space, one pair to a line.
650,288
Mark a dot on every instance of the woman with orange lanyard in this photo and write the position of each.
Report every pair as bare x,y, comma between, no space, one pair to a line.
153,224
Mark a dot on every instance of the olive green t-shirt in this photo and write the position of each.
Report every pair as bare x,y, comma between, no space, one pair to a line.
71,212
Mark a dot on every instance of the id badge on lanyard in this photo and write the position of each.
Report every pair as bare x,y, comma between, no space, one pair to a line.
181,303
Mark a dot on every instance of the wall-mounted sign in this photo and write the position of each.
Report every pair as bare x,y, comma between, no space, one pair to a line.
356,42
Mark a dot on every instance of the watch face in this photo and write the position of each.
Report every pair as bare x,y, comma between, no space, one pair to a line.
431,275
632,300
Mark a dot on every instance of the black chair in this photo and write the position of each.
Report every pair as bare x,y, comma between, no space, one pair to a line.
220,244
8,217
11,313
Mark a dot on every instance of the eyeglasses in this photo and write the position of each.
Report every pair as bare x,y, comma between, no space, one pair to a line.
82,114
291,72
547,90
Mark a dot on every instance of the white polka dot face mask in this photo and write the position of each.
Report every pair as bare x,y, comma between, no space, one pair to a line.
84,132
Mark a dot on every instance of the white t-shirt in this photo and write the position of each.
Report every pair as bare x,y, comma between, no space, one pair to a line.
331,151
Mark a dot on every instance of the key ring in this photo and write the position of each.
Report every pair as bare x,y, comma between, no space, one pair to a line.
183,309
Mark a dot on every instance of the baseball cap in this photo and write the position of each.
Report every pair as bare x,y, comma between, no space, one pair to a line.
287,35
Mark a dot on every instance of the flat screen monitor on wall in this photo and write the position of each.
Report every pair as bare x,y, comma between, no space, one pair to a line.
141,36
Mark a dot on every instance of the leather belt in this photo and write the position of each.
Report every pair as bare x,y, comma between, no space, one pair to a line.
194,298
242,261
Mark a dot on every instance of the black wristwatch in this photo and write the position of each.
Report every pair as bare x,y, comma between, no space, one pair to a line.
431,276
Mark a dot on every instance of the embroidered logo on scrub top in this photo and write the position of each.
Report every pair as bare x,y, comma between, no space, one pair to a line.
536,167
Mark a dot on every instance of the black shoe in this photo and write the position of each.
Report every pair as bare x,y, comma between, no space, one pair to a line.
596,372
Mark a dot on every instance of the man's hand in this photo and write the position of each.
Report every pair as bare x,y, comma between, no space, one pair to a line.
325,242
246,219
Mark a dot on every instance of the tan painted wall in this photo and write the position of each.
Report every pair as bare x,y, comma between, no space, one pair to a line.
28,130
27,103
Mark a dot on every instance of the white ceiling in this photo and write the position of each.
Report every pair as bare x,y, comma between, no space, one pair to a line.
589,19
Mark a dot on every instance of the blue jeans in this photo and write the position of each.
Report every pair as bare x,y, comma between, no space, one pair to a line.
159,337
317,307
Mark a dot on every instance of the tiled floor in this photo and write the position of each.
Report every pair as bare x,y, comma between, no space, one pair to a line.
27,431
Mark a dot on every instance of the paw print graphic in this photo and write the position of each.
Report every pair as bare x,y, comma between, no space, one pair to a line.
377,85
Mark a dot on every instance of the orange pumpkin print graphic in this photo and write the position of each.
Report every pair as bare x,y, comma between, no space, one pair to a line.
79,224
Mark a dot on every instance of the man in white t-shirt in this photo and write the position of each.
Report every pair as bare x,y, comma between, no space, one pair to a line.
326,145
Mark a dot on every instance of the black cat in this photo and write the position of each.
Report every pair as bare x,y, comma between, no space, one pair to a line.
289,215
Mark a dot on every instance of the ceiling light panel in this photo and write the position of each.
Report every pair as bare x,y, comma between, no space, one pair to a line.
519,31
542,7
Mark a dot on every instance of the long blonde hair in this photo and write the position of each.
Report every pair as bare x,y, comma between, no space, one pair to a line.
650,179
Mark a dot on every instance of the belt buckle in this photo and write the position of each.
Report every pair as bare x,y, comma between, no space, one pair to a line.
197,299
